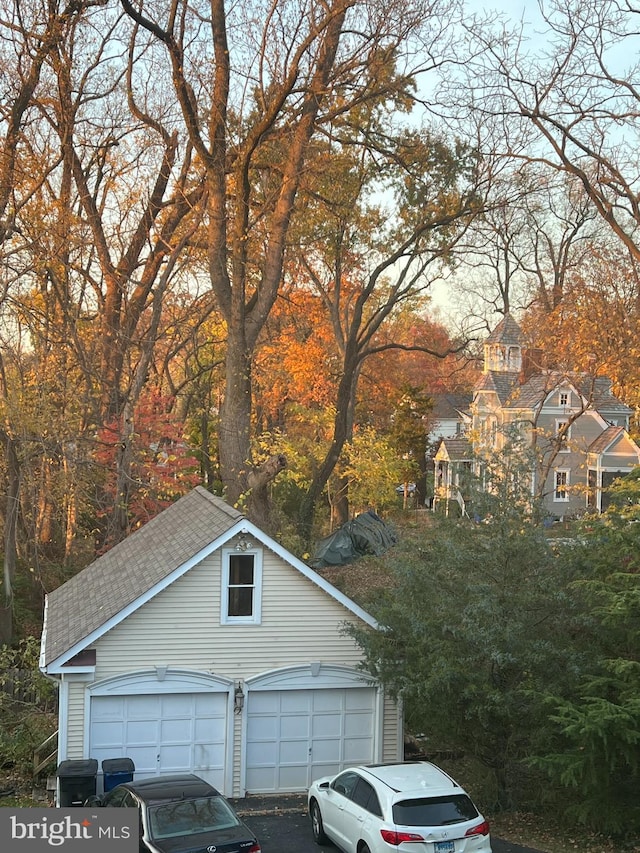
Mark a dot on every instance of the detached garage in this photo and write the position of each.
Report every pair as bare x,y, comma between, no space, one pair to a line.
199,644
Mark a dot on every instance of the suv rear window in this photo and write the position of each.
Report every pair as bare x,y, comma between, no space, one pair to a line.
434,811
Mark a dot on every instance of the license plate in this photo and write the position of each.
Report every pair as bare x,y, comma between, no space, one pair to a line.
444,847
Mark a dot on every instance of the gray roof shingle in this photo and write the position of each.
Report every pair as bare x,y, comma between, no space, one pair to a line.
450,405
537,387
602,442
507,332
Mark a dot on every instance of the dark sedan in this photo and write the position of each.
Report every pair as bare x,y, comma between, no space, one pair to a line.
181,814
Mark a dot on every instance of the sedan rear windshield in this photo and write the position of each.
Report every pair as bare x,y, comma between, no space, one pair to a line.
434,811
190,817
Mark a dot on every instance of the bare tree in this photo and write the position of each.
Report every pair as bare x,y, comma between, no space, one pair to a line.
566,99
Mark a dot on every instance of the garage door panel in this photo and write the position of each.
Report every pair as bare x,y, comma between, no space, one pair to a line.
327,750
327,725
294,727
356,724
142,707
357,751
295,736
209,755
263,728
262,754
174,759
107,733
358,700
294,701
145,759
265,703
327,700
176,730
292,778
294,752
142,732
163,733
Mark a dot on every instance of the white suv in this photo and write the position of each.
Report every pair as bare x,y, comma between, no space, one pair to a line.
413,806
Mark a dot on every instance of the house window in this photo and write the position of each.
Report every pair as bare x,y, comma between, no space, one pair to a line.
563,434
562,481
564,398
241,587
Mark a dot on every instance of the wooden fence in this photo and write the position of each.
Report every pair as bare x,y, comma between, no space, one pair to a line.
24,687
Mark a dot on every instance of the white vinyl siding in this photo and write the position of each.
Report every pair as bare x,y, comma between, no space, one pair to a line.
392,732
181,627
75,721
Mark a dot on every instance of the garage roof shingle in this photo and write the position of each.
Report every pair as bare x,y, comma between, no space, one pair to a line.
131,568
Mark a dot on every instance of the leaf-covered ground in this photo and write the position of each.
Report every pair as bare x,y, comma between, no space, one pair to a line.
532,831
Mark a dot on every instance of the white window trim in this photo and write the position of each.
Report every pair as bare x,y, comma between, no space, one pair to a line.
565,486
256,617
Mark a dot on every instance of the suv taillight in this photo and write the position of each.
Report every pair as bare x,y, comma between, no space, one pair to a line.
396,838
480,829
255,849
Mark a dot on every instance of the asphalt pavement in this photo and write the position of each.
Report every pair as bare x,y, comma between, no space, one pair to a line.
283,826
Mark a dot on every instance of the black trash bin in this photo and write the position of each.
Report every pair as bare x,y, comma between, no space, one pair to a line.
116,770
77,781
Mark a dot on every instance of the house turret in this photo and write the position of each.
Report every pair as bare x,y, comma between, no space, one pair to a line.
503,348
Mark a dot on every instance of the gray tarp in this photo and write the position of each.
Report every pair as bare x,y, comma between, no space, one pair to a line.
366,534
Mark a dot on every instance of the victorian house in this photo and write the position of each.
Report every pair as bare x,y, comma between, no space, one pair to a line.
575,426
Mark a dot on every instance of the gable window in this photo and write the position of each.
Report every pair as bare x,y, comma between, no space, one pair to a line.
561,483
241,587
564,398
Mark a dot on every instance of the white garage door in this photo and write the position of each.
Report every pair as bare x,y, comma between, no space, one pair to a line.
165,733
296,736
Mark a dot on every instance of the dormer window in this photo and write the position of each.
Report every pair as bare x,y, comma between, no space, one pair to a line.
241,587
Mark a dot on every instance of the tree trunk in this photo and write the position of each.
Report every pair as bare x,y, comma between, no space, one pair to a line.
235,419
342,432
10,532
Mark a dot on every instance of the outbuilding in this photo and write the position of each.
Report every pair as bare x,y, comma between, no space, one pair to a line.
199,644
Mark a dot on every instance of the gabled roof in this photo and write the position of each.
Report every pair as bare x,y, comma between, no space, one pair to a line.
454,449
148,561
507,332
603,398
450,406
534,391
498,383
604,441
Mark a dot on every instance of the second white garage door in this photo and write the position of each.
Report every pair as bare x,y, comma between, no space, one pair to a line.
296,736
163,733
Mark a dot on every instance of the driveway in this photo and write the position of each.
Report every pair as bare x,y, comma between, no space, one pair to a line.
282,826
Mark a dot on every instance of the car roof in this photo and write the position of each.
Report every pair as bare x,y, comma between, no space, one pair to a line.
413,776
177,787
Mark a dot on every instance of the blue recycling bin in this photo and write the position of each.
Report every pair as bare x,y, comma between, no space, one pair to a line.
115,771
